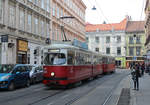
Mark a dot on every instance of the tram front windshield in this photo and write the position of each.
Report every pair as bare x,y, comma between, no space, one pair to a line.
55,59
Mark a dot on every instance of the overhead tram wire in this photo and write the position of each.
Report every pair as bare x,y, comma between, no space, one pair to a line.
141,14
93,7
103,14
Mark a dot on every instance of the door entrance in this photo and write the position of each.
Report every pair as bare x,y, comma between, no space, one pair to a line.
22,58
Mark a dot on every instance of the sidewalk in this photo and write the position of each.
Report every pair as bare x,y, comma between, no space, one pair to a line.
141,97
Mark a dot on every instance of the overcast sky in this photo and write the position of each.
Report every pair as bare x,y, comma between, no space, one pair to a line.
113,11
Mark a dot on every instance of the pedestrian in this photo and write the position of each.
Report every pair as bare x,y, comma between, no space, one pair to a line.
149,69
135,76
142,69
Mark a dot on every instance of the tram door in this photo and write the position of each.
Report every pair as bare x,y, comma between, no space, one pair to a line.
71,62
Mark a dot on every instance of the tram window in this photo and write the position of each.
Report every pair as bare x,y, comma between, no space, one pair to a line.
80,58
55,59
70,59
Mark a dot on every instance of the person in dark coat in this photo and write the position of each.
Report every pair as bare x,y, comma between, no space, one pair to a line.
142,69
135,76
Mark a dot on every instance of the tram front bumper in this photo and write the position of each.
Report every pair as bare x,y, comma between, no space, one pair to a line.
55,81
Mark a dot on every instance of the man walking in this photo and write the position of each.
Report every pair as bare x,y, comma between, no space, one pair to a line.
142,69
135,76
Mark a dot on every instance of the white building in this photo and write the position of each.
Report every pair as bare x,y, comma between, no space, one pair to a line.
109,39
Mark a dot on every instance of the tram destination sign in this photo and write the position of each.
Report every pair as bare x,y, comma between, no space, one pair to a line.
4,38
53,50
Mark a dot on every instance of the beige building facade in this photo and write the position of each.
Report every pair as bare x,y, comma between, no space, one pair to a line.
147,30
74,27
25,25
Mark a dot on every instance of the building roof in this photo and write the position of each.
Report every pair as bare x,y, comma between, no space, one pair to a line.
106,27
135,26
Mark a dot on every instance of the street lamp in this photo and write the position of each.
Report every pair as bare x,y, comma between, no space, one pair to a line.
94,8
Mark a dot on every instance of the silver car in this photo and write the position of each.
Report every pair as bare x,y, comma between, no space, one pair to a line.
36,73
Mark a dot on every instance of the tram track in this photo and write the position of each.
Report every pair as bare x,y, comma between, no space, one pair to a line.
47,94
92,89
31,93
111,92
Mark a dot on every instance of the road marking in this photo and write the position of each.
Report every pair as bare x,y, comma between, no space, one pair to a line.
50,103
65,96
39,89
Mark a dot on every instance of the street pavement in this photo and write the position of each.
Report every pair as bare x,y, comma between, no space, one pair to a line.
141,97
102,91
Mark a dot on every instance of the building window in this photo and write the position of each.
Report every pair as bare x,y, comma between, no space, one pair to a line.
36,2
1,10
61,12
131,51
48,29
138,39
130,40
36,26
48,5
54,9
108,39
97,49
58,34
29,23
12,16
42,3
107,50
87,39
57,12
42,28
22,19
118,39
118,50
97,39
138,51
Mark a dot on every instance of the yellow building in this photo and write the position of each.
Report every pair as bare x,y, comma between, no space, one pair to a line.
135,40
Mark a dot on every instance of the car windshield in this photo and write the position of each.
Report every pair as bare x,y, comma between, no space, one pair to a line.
55,59
6,68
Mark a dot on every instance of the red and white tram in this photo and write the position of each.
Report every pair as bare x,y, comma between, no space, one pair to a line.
108,64
66,64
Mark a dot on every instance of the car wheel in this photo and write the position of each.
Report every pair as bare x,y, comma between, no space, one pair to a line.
28,83
11,86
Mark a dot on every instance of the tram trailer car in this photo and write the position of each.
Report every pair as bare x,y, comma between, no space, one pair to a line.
108,64
66,64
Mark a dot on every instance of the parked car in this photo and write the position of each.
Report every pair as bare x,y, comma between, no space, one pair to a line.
36,73
12,76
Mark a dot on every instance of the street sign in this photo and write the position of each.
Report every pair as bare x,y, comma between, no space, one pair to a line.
134,58
4,38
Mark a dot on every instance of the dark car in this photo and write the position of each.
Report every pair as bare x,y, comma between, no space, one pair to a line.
36,73
12,76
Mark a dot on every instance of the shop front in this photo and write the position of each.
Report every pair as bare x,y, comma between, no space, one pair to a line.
134,60
22,48
120,62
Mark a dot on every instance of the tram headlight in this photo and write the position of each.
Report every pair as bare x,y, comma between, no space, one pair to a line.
52,74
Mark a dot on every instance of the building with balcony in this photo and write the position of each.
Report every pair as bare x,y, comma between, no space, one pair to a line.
135,40
147,30
25,25
68,17
108,39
